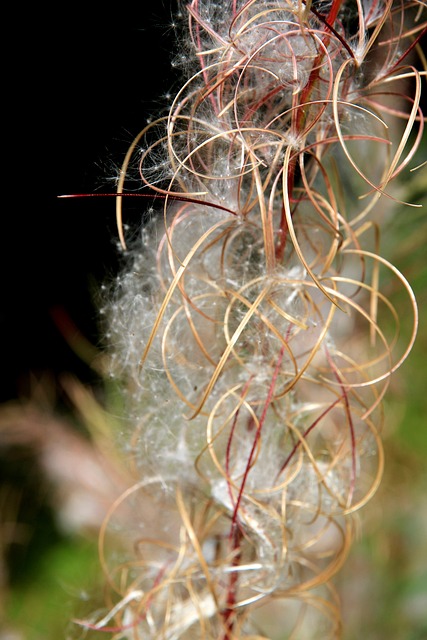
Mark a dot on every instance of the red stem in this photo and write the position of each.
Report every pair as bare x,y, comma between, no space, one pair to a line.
235,533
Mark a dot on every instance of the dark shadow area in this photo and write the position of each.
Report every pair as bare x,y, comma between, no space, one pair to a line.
82,90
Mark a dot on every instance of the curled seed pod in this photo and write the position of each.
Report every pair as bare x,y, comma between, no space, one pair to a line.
249,329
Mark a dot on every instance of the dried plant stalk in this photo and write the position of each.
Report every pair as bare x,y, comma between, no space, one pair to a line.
249,328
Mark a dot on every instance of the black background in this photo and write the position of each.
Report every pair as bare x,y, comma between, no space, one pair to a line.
80,88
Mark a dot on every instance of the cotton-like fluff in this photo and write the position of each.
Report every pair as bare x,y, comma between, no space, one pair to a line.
248,329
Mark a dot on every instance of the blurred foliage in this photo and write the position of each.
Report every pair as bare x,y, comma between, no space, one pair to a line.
384,582
43,608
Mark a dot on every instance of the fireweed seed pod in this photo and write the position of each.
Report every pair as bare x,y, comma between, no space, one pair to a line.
248,328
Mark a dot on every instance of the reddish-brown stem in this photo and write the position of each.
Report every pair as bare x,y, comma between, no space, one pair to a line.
306,433
153,196
228,614
256,439
305,94
230,439
235,533
300,113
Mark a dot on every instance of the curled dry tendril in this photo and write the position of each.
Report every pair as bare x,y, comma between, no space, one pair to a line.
250,326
